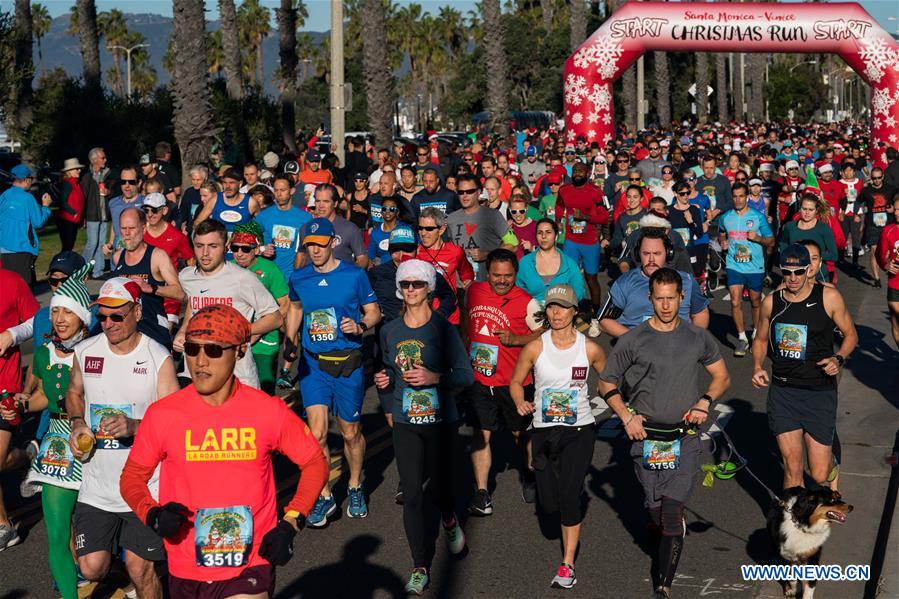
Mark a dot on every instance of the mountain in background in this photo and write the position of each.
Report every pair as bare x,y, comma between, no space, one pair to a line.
63,50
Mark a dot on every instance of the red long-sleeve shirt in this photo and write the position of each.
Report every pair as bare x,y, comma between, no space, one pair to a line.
217,461
588,199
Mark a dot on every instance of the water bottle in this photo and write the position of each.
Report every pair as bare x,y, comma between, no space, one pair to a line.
7,400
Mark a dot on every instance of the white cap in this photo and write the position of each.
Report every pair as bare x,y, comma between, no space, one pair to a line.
154,200
415,270
767,166
755,181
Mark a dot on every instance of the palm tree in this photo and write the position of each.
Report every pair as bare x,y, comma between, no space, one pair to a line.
663,87
194,129
578,23
378,76
90,43
496,68
72,29
757,86
287,76
114,28
739,87
305,53
253,26
721,84
702,86
231,49
546,12
214,53
40,26
24,65
629,94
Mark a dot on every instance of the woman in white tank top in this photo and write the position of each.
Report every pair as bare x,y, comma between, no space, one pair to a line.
564,425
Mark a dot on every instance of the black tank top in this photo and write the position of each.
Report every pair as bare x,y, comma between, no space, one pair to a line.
800,334
153,322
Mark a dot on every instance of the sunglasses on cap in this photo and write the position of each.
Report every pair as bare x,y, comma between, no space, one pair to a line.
114,317
192,349
128,181
237,249
467,192
794,272
413,284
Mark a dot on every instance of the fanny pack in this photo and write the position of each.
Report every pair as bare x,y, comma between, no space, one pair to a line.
657,431
337,363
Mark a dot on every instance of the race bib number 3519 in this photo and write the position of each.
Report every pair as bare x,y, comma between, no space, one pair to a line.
223,536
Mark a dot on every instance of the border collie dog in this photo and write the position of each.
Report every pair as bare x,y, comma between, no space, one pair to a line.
799,526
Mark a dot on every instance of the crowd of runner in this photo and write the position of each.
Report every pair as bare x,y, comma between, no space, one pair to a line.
460,278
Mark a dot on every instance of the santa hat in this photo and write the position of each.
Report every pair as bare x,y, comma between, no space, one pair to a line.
73,295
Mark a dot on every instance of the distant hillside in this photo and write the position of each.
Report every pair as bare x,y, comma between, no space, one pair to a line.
62,50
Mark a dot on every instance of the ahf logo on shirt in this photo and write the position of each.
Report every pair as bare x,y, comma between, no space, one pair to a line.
93,365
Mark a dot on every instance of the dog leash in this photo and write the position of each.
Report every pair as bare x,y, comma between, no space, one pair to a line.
744,463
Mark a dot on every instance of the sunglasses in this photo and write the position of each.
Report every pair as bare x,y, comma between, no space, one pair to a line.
246,249
683,193
741,180
114,317
877,178
570,153
637,179
467,192
192,349
793,272
413,284
654,148
667,172
622,161
128,181
152,210
690,179
518,211
57,281
420,154
429,229
555,183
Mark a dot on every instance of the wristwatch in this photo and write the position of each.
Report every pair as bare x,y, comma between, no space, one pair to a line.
840,359
300,518
363,326
153,289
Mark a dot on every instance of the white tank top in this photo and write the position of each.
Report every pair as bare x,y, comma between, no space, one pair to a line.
560,381
115,383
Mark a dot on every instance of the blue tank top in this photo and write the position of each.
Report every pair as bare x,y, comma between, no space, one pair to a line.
231,215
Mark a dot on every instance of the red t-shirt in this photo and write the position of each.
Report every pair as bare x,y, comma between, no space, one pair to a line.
833,192
220,457
16,306
888,250
449,261
493,362
174,243
309,177
588,199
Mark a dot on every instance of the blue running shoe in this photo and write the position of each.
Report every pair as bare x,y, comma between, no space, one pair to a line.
324,507
356,507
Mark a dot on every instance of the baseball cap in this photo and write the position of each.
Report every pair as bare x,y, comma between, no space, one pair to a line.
292,168
320,231
401,238
755,181
766,166
117,292
66,262
21,171
685,141
787,143
154,200
792,164
561,295
531,151
313,156
360,176
232,173
795,254
145,159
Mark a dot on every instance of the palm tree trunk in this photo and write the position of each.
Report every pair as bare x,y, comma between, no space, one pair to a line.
629,93
497,68
24,65
260,66
721,84
90,42
757,87
287,51
663,87
578,23
739,87
378,77
194,129
702,86
231,49
546,10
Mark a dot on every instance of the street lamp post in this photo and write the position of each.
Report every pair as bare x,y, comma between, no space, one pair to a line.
128,52
798,64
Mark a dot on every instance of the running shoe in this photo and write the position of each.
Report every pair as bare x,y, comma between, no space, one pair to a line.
454,536
81,581
661,593
356,507
528,487
29,489
564,578
418,582
284,379
481,504
8,536
398,495
324,508
131,593
742,348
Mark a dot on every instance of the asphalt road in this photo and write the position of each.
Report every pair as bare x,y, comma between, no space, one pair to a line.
515,552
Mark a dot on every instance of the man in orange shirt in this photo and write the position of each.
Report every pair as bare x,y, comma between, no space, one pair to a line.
314,174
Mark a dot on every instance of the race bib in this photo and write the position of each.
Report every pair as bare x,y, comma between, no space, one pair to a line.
483,358
661,455
284,237
230,216
559,406
321,325
223,536
54,458
421,406
742,254
791,340
101,411
576,225
880,219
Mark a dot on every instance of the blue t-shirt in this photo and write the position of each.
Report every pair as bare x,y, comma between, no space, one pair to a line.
704,204
327,298
117,206
630,293
743,255
378,243
281,228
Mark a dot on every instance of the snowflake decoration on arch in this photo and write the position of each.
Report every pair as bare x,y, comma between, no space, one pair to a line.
570,135
600,97
603,53
606,139
576,118
607,119
878,57
575,89
882,101
892,138
889,121
592,118
591,134
875,122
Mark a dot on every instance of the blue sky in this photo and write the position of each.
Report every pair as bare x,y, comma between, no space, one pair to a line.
319,10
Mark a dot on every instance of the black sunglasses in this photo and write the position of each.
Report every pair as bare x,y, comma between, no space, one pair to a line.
622,160
152,210
413,284
128,181
213,351
683,193
637,179
424,228
390,209
114,317
420,154
247,249
56,281
466,192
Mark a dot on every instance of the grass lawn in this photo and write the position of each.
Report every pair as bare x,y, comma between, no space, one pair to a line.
50,246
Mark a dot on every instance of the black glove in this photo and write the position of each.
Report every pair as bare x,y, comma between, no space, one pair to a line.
277,544
290,350
167,520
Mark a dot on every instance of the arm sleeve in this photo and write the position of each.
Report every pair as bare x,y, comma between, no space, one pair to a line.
22,332
711,353
883,252
64,197
617,362
599,215
618,295
698,302
258,296
365,293
356,243
26,305
829,252
460,373
446,299
463,266
298,443
145,455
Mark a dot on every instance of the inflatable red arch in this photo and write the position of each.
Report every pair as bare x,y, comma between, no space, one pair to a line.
845,29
